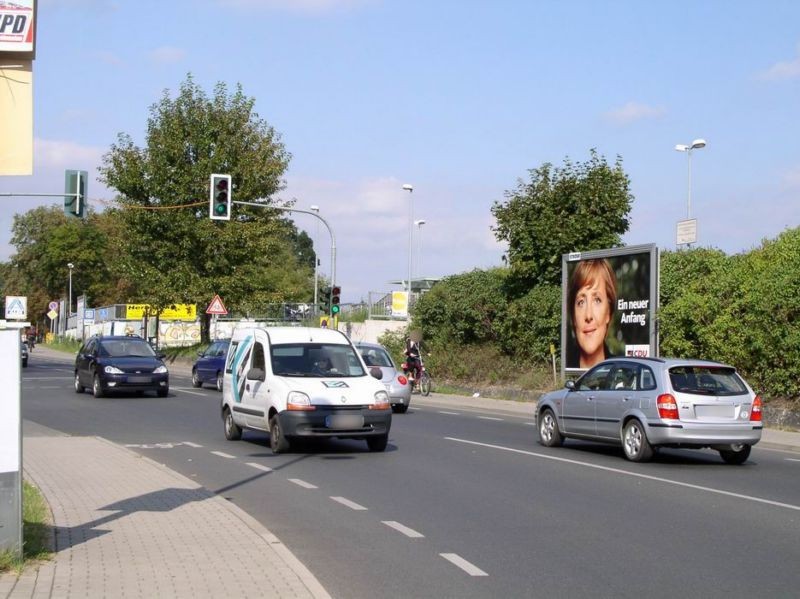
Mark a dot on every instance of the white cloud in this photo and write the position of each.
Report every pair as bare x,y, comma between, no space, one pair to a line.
787,69
308,7
167,55
634,111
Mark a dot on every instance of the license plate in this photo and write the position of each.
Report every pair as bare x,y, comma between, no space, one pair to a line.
723,411
344,421
139,379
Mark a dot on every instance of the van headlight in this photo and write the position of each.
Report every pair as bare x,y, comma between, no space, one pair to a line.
298,402
381,401
160,370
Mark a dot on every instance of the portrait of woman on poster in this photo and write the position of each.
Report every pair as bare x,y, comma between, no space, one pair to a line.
591,298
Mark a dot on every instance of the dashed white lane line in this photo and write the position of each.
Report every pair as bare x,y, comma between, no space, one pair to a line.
529,423
489,418
459,561
351,504
222,454
450,413
190,444
409,532
182,390
259,467
302,483
677,483
791,460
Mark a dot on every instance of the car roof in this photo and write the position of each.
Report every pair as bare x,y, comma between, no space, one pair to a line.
118,338
670,362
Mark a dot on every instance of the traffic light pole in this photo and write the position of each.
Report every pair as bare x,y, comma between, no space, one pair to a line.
315,215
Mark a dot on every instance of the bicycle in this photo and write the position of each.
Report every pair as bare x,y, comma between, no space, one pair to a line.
423,383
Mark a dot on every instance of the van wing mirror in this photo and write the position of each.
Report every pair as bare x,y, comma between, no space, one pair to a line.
256,374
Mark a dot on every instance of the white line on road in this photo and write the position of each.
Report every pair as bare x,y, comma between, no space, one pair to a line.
489,418
791,460
450,413
50,387
351,504
529,423
302,483
182,390
459,561
259,467
409,532
627,473
224,455
190,444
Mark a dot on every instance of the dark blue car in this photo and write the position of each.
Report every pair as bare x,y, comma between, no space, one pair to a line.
210,364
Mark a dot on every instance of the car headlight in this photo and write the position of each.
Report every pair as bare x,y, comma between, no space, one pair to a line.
298,401
112,370
381,401
160,370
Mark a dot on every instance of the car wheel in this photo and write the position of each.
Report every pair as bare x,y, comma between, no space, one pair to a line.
378,443
549,435
196,382
97,389
737,454
162,392
219,382
400,408
635,444
233,431
277,442
78,387
425,384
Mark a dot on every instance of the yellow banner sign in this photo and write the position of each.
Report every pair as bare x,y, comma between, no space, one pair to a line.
173,312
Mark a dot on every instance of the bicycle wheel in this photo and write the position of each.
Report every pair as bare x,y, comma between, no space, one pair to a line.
425,384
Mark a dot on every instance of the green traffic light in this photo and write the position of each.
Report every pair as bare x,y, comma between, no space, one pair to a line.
334,309
220,209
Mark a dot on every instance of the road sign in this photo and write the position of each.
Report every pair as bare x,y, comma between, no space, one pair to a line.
216,306
687,231
53,305
52,314
16,307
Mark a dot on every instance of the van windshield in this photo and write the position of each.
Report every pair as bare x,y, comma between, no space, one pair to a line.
319,360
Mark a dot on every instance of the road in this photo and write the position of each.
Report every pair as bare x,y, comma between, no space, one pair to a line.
465,503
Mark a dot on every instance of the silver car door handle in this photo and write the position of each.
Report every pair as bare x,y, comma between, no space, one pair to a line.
590,398
626,398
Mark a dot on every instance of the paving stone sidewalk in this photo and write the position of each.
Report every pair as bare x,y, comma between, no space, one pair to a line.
126,526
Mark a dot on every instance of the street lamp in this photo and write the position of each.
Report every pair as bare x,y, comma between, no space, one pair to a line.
70,265
410,189
695,145
315,209
419,224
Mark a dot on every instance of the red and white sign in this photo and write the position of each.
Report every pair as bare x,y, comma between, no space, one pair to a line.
216,306
17,30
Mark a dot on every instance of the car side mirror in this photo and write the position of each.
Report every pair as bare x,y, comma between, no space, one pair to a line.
200,354
376,372
570,384
256,374
161,355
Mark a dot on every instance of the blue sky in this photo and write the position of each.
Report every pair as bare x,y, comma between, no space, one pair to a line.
458,98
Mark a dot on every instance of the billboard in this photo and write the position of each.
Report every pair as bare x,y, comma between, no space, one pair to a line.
609,304
186,312
18,29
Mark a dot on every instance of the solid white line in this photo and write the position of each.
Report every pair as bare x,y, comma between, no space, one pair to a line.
409,532
302,483
489,418
450,413
224,455
351,504
627,473
459,561
182,390
259,467
190,444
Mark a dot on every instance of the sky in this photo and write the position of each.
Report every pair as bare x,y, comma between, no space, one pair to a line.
458,98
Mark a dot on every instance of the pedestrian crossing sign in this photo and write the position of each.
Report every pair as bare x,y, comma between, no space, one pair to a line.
16,307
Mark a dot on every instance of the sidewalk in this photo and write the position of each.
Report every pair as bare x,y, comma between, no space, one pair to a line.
127,526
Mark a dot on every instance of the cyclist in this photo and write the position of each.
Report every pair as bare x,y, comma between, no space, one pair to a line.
413,353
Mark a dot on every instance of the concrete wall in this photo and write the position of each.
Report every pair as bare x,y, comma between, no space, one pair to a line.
370,330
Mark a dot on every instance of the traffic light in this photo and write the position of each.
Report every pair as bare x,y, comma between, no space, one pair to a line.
219,206
325,300
335,292
75,183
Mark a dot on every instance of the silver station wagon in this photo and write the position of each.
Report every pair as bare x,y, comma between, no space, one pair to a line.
647,403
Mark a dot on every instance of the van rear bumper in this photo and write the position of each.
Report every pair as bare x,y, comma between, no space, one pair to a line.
359,422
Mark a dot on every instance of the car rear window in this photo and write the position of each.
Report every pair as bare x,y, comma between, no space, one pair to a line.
706,380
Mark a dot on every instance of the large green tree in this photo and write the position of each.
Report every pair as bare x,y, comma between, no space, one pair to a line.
173,252
579,206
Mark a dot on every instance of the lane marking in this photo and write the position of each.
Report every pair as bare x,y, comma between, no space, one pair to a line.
409,532
259,467
659,479
459,561
302,483
222,454
489,418
190,444
182,390
791,459
450,413
529,423
351,504
50,387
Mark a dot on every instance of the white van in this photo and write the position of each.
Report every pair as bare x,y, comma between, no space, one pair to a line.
296,382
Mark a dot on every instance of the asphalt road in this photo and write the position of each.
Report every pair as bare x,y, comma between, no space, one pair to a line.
466,503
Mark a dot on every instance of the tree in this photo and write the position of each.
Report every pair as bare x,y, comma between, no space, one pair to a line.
577,207
174,253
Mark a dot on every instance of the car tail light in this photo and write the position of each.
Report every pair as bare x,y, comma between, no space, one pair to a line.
402,380
667,407
755,412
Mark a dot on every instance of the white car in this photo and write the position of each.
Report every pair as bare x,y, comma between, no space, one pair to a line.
295,382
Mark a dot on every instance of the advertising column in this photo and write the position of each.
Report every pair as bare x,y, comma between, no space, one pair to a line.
10,443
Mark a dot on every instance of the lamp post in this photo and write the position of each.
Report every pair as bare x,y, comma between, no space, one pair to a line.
419,224
410,189
70,265
315,209
695,145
